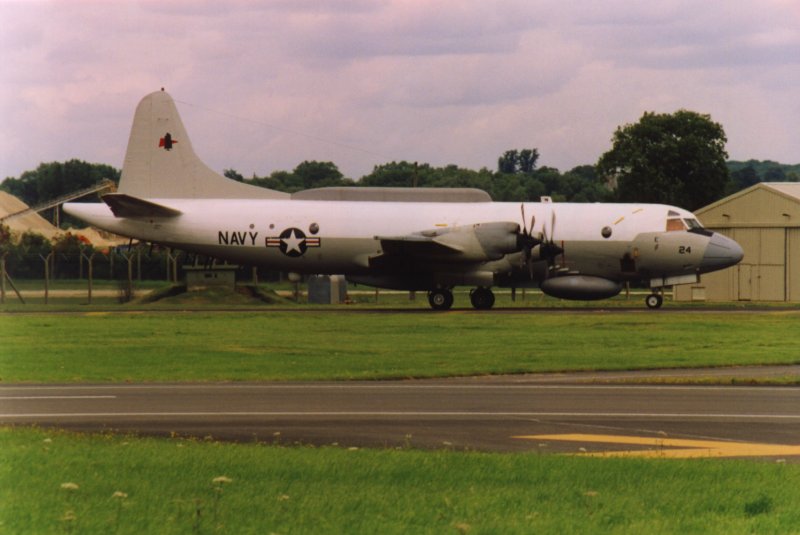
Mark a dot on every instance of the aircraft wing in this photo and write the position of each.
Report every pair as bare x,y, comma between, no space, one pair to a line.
412,249
415,245
129,206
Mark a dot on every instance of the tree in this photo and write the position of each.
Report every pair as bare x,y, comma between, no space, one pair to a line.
775,174
401,174
313,174
518,161
676,158
308,174
527,160
507,163
54,179
233,174
743,178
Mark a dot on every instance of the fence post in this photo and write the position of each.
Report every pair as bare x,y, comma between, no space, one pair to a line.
47,259
3,278
90,272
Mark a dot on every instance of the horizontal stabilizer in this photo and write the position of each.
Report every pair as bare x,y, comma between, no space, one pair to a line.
128,206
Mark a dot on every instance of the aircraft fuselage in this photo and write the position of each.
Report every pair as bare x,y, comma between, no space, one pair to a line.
342,236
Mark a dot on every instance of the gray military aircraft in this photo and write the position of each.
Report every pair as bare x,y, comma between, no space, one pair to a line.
421,239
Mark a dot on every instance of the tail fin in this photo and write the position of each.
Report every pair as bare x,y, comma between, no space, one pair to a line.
160,161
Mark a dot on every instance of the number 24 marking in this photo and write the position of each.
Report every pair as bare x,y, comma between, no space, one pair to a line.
683,249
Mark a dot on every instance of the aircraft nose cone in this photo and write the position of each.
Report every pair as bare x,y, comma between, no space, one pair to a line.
720,253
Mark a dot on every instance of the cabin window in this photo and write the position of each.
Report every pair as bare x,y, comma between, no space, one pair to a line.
674,223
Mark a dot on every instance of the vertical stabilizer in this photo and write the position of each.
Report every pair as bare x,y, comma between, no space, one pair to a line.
160,161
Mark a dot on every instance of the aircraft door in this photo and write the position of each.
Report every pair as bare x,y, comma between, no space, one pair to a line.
745,282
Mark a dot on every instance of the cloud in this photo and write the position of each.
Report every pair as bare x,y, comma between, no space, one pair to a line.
358,82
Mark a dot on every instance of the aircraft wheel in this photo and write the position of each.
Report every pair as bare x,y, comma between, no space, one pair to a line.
653,301
482,298
441,299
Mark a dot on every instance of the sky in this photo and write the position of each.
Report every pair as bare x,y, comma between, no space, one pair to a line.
263,86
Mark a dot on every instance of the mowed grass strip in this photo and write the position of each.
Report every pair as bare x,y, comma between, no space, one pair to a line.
208,346
58,482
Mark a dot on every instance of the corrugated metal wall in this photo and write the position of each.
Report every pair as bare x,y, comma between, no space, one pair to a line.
769,271
793,264
764,220
762,272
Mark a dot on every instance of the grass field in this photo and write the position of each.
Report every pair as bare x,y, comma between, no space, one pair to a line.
57,482
60,482
344,344
72,294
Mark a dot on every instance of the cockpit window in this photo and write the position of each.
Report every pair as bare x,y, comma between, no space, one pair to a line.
674,223
687,223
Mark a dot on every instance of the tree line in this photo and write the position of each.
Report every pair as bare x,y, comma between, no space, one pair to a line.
511,182
676,158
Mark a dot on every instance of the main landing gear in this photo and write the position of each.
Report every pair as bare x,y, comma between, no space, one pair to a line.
442,298
654,301
481,298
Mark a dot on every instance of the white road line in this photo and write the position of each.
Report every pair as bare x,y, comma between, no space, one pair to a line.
437,414
384,386
25,398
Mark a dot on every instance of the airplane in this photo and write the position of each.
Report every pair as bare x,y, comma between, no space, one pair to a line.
416,239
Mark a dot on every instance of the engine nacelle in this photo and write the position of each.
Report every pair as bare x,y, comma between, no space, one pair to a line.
498,239
480,242
580,287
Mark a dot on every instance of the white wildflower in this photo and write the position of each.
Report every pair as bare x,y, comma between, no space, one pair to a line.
69,516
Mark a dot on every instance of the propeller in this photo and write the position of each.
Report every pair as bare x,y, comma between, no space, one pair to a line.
526,241
549,250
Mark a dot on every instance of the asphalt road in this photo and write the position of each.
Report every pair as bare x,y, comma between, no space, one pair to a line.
550,413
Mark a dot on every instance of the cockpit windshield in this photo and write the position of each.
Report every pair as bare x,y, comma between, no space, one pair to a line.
686,223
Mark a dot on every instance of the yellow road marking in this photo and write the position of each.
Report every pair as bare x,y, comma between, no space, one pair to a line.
672,448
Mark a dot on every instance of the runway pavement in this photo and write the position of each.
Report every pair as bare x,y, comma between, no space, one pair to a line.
513,413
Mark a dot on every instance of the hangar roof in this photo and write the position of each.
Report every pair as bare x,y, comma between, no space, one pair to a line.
766,204
791,189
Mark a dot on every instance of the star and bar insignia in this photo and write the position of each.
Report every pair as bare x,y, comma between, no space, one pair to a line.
293,242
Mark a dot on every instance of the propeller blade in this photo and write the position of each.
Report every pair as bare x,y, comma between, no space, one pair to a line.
522,209
526,242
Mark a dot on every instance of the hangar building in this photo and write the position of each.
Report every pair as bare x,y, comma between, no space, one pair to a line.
765,220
